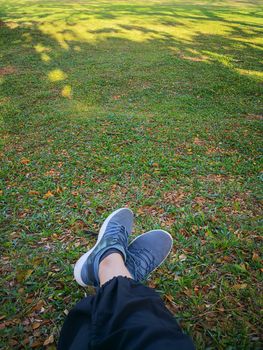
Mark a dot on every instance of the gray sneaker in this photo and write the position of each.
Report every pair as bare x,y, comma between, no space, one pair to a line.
113,235
146,252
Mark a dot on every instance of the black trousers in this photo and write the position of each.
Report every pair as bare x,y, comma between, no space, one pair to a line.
123,315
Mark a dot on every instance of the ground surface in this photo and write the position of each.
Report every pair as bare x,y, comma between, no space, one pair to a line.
150,104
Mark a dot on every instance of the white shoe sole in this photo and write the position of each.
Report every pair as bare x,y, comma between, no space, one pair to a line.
145,233
79,264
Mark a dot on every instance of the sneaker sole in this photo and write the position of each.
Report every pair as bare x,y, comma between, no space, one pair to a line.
79,264
145,233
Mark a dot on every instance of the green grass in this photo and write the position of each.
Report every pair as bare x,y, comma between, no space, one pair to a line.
154,105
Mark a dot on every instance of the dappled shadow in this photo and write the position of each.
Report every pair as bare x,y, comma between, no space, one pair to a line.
154,58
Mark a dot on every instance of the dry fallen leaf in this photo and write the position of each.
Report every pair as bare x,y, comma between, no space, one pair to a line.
169,297
49,340
48,195
36,344
199,142
59,189
38,306
182,257
196,289
32,193
24,161
240,286
36,325
255,256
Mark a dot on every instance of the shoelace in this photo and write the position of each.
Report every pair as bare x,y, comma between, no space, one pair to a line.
140,262
122,234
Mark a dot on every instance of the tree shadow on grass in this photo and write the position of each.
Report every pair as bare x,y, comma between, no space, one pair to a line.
158,74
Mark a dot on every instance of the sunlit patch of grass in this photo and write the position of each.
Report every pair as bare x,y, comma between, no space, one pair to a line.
56,75
254,73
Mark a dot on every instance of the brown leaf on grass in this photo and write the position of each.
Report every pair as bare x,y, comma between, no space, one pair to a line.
59,189
7,70
221,309
167,220
25,161
182,257
36,325
78,225
175,197
199,142
168,297
150,210
33,193
52,173
196,289
239,286
48,195
214,150
200,200
37,344
49,340
255,257
188,292
38,306
184,232
227,258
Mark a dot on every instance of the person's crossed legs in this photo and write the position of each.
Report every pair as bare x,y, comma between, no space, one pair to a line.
124,314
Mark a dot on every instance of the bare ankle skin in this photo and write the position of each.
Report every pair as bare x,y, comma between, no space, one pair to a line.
112,266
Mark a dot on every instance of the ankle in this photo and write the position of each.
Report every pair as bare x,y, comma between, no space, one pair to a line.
110,260
112,266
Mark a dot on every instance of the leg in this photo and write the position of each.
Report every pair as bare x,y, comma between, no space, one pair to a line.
112,266
124,314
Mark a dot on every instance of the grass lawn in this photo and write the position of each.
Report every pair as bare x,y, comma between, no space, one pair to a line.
153,105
